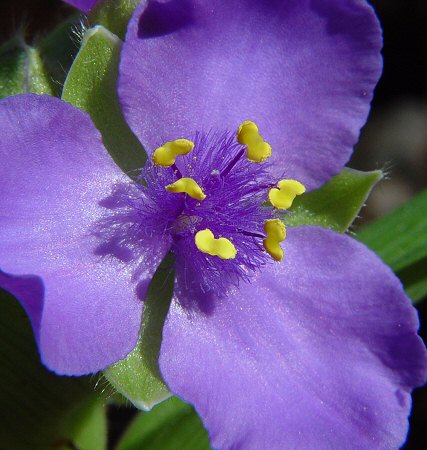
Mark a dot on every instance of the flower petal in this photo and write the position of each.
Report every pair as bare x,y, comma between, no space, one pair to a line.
29,291
318,352
55,173
83,5
303,70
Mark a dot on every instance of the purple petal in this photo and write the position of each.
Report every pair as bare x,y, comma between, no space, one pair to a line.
318,352
29,291
303,70
55,173
83,5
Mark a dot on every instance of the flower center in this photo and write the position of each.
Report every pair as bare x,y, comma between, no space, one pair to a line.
222,181
205,197
257,151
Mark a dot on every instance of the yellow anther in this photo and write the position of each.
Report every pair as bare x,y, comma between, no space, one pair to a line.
187,185
247,131
222,247
258,149
276,233
165,155
285,193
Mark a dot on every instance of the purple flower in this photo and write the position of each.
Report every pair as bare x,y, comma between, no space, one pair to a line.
83,5
317,351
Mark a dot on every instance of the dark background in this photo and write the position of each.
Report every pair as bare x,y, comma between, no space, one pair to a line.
395,137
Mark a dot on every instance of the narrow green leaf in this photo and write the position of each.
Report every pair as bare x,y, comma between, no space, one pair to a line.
114,15
337,203
138,376
87,425
400,239
414,278
172,425
91,85
22,70
41,410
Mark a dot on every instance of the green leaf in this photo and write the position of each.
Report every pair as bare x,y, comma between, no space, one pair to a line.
173,425
87,425
22,70
114,15
414,278
336,204
138,376
91,85
41,410
400,239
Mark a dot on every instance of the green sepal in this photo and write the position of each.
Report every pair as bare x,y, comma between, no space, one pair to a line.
22,70
138,376
58,49
91,85
114,15
173,425
42,410
400,239
336,204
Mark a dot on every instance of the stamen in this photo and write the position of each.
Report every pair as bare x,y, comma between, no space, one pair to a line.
258,149
188,186
276,233
165,155
222,247
285,193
